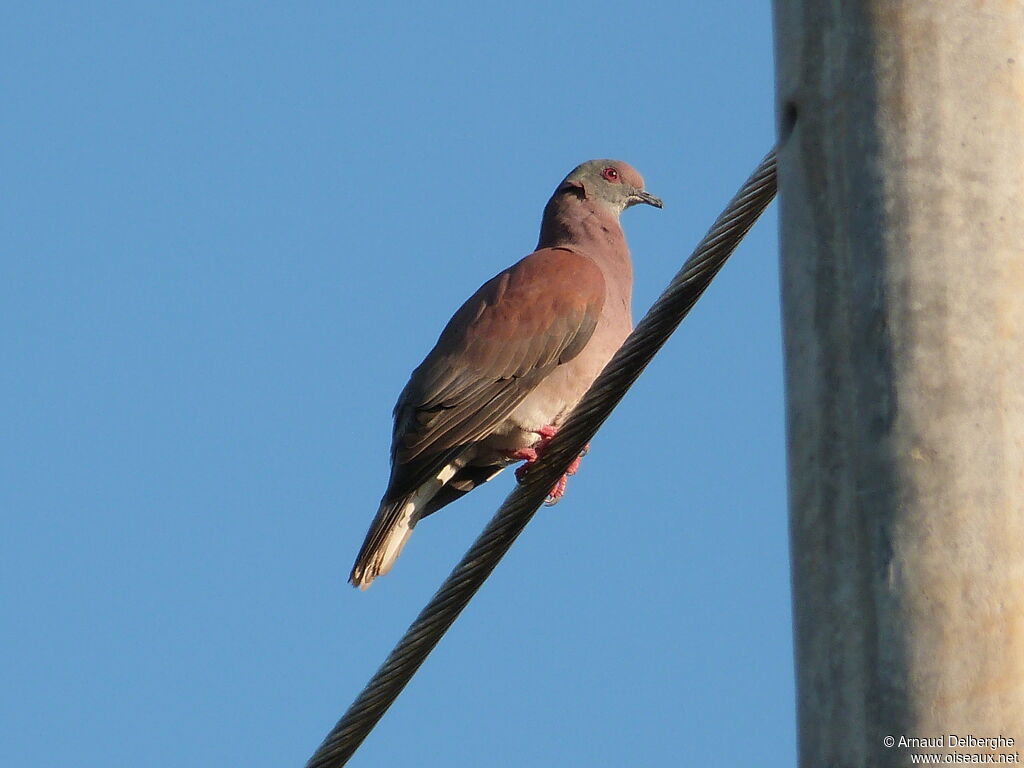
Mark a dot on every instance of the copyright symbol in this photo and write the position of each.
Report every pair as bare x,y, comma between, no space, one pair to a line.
889,741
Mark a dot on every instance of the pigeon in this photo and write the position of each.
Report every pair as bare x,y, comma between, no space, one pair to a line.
513,361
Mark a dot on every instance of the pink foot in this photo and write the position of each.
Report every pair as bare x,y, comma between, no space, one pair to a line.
531,454
557,492
575,466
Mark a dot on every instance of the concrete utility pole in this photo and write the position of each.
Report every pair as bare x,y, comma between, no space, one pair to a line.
901,182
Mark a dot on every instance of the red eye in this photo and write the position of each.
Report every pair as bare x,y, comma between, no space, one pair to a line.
610,173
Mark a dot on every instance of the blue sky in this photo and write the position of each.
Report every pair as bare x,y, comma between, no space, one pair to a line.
230,233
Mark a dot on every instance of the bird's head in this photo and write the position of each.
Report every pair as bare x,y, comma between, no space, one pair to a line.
611,182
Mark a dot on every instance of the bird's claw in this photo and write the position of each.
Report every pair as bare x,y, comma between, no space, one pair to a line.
530,456
556,493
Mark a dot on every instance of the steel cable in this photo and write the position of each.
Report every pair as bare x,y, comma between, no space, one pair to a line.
517,510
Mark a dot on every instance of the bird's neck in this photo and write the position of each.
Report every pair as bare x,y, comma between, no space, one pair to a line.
571,221
591,228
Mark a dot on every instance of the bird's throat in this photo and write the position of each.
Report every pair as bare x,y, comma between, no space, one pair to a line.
571,221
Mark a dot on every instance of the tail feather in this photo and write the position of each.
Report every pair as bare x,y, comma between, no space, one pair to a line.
392,527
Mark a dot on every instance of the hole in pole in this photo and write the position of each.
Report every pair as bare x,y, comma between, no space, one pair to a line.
787,121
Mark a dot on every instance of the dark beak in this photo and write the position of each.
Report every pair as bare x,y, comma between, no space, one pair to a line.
640,196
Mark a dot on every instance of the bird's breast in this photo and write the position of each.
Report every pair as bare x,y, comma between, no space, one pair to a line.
553,399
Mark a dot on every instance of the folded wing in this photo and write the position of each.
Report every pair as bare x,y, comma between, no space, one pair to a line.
515,330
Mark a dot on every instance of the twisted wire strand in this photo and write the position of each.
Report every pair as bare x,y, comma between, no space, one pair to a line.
517,510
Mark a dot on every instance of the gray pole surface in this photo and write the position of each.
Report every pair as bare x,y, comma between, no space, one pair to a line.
901,183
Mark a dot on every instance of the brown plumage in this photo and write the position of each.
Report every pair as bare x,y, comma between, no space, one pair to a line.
517,356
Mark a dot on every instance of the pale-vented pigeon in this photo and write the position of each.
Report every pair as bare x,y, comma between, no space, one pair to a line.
513,361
